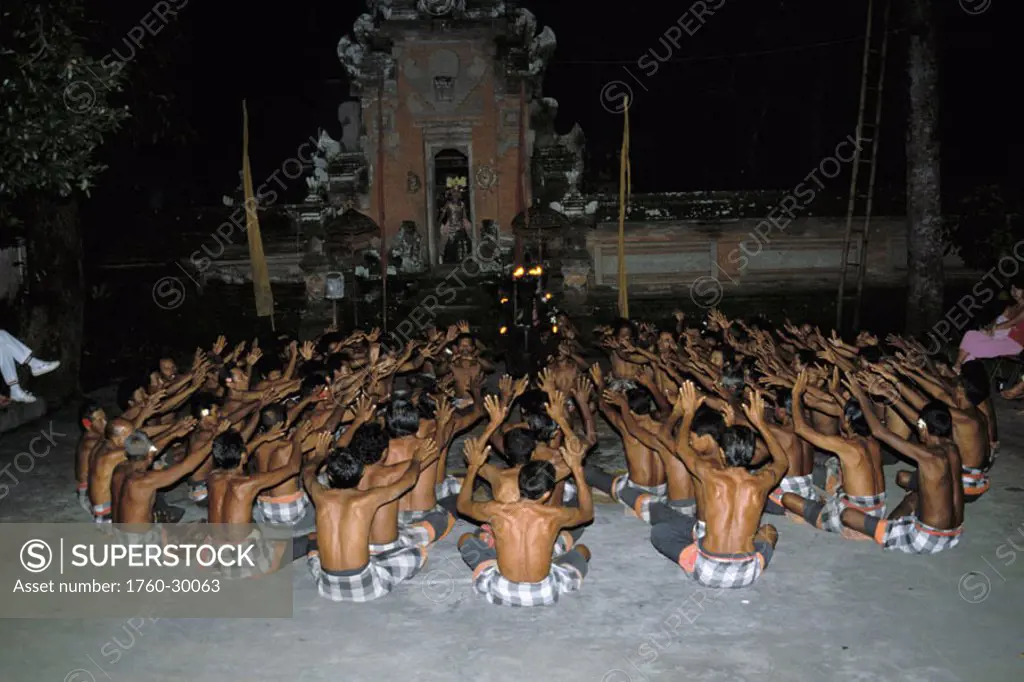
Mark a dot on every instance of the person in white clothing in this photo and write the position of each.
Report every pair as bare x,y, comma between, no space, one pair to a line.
12,353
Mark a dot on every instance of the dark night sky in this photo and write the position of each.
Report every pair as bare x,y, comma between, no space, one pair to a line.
792,64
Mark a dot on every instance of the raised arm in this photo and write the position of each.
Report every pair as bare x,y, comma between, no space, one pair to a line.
475,451
780,460
573,453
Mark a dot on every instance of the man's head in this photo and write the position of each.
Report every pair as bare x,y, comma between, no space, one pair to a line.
519,445
138,446
706,430
640,401
870,354
426,404
465,344
803,359
402,418
343,470
118,430
738,444
853,421
234,377
369,443
92,417
623,330
935,422
330,343
168,369
974,386
537,480
206,408
666,342
733,380
783,405
335,365
272,415
314,385
228,450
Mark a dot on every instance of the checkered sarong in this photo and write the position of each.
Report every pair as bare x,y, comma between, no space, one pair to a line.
102,513
831,515
254,557
82,493
725,571
449,486
976,481
503,592
153,536
700,529
286,510
418,534
907,534
649,494
569,492
798,485
383,572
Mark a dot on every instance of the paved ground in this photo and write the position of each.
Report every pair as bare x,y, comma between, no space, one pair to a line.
827,609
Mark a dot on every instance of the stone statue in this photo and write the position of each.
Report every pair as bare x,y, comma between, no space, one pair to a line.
407,251
350,115
455,227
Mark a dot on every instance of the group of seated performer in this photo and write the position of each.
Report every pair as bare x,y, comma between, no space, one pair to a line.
342,444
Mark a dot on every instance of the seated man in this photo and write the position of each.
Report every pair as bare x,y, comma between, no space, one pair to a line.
929,520
93,419
513,562
860,461
735,550
348,497
12,353
799,480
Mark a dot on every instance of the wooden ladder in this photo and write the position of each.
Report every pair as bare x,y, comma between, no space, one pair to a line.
862,179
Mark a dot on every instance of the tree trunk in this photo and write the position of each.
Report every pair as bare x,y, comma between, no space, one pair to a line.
925,237
53,305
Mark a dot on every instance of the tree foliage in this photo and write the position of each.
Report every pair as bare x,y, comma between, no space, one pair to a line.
55,99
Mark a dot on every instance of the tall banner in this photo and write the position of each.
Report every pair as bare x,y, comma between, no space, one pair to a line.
260,273
522,207
625,190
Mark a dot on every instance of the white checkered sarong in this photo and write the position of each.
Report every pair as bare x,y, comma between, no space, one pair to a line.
286,510
101,513
907,534
153,536
700,529
82,492
409,518
620,385
831,515
798,485
649,494
254,557
976,481
449,486
725,571
503,592
383,572
418,534
569,492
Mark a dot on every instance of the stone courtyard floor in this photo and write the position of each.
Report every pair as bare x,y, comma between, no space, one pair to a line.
826,609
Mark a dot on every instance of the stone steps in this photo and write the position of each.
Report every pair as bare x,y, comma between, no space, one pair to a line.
15,415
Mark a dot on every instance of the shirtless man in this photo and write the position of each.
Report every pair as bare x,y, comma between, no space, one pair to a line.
625,364
929,520
514,563
860,461
645,482
468,368
735,549
970,425
93,419
403,424
104,459
348,497
799,477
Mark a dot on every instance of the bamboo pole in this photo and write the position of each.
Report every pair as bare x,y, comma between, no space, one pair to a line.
625,189
380,208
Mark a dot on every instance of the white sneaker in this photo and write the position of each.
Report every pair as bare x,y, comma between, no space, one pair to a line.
41,367
20,395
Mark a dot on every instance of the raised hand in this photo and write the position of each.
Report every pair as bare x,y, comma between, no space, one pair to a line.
254,356
573,453
462,326
275,432
476,451
445,411
365,409
582,390
186,425
222,426
497,411
220,344
555,407
546,381
755,410
302,431
597,376
306,350
374,335
505,388
689,398
615,398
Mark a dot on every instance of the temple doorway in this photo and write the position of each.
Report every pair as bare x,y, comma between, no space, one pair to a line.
452,224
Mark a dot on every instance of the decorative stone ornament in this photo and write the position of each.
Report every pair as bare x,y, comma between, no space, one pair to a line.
486,177
440,8
413,184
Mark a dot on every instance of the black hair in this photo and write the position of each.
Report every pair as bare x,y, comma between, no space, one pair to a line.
806,357
273,414
784,399
536,479
334,363
621,323
369,443
202,401
937,419
854,416
224,371
402,418
519,445
228,449
738,333
732,377
542,426
975,381
312,368
125,389
532,402
343,470
311,384
738,444
426,406
88,409
640,400
871,354
327,340
708,421
464,337
712,335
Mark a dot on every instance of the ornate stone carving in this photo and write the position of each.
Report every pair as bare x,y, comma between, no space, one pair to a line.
407,252
445,85
441,8
486,177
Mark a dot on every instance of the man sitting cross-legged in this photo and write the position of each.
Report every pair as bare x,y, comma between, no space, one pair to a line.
930,519
860,461
799,478
735,549
347,496
512,564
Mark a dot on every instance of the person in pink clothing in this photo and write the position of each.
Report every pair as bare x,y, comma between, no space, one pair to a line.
996,340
